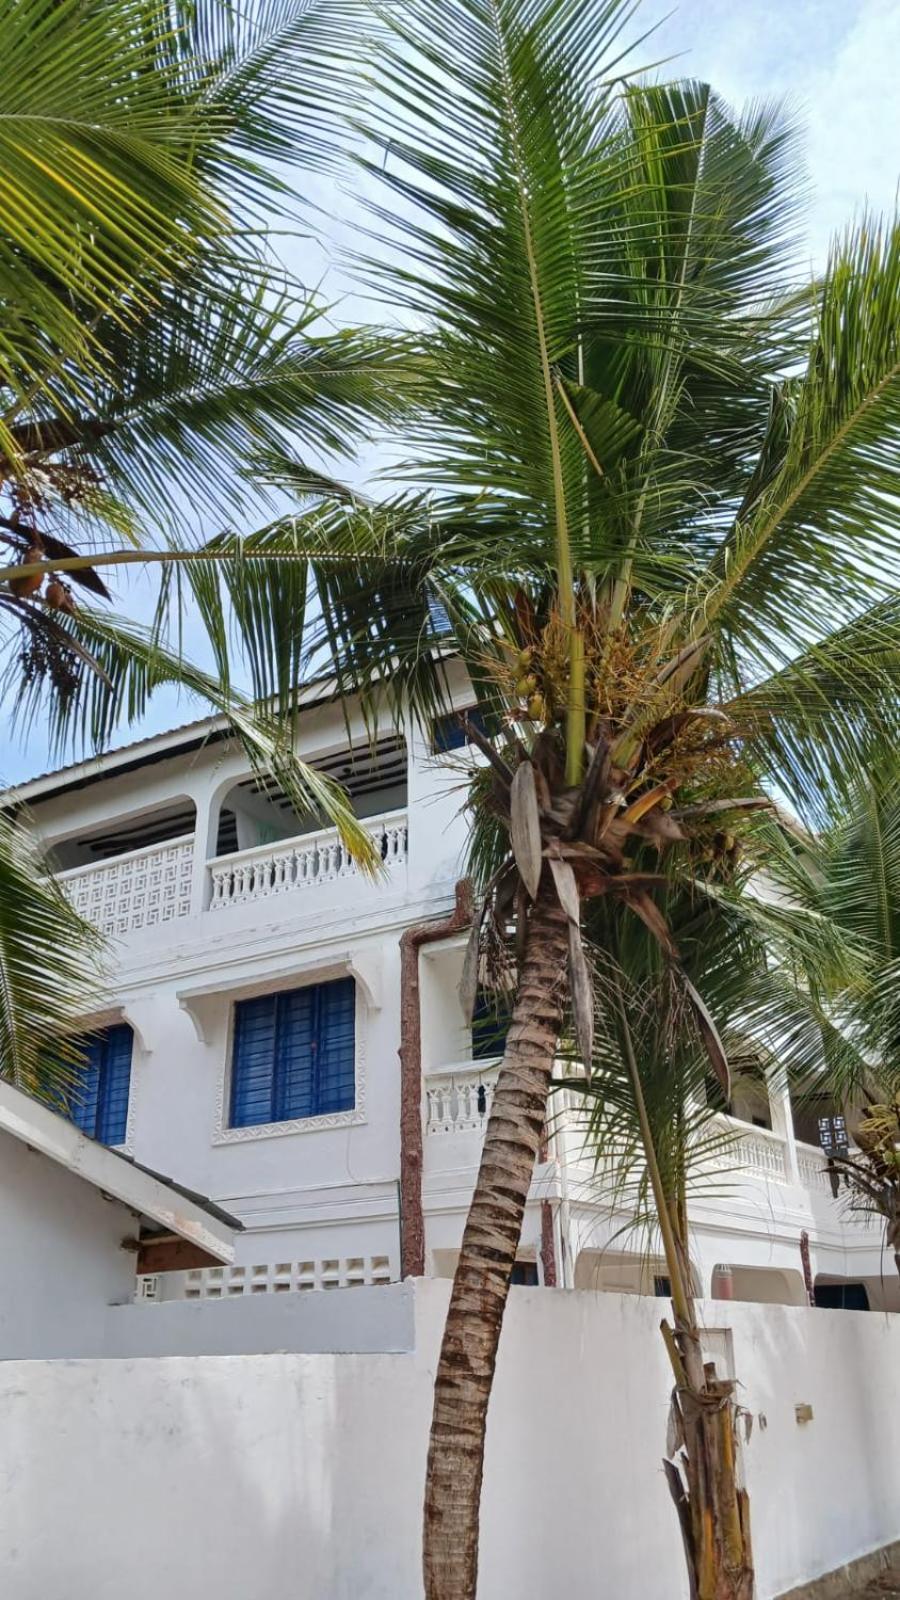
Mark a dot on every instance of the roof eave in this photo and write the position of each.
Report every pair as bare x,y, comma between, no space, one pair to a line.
136,1187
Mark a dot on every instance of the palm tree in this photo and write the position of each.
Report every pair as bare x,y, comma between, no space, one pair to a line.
744,928
154,361
659,531
858,867
661,511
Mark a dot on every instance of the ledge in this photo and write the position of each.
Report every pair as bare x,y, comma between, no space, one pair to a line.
851,1578
202,1001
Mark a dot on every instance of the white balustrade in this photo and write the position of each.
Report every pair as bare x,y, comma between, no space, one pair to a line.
300,863
757,1151
137,890
458,1099
813,1168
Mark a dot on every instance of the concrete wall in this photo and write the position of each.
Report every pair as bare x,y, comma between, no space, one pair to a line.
355,1321
253,1477
61,1261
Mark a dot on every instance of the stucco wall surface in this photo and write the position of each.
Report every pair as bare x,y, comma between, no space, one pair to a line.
298,1477
60,1247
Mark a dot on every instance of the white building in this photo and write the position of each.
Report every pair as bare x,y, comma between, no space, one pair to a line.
77,1223
262,989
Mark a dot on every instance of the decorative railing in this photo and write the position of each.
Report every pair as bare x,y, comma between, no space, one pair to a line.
458,1099
268,1277
302,863
757,1151
137,890
813,1168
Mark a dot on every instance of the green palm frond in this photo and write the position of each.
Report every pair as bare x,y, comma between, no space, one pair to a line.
219,381
862,865
815,536
50,962
132,144
580,250
859,865
830,712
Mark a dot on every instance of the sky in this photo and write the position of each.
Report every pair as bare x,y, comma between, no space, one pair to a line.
835,61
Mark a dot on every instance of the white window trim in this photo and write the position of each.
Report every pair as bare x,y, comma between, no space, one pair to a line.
224,1134
112,1017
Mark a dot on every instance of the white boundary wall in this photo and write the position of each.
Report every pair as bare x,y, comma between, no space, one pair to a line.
298,1476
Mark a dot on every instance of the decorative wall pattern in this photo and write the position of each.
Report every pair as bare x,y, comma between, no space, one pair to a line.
138,890
270,1277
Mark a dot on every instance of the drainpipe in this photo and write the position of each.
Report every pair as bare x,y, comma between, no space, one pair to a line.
412,1216
548,1246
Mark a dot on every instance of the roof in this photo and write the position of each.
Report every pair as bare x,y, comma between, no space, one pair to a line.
171,1207
143,752
138,753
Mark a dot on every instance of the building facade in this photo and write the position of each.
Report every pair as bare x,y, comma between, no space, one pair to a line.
260,988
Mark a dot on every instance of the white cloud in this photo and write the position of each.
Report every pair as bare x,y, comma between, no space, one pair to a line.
836,61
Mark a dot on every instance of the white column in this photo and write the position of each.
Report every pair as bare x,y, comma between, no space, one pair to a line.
207,794
783,1120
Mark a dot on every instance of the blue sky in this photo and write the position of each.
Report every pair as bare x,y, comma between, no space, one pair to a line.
836,61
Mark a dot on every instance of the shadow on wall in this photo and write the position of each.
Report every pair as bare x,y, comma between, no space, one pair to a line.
236,1477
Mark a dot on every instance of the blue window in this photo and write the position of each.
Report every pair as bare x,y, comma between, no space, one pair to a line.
98,1102
449,733
490,1025
294,1054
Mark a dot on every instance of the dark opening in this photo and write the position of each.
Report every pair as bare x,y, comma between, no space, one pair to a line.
841,1296
448,732
490,1025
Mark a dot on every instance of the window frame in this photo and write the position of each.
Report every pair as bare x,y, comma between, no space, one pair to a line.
98,1031
224,1133
450,720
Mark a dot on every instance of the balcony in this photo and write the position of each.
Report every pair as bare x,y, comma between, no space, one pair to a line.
758,1152
458,1098
296,866
155,884
139,889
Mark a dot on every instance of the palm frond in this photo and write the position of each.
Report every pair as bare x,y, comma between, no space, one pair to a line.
50,966
828,714
815,535
132,144
220,380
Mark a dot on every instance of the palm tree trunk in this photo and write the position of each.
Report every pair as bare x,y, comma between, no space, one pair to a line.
480,1288
714,1513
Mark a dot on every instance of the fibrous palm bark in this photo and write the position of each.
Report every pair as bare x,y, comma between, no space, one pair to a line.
490,1241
